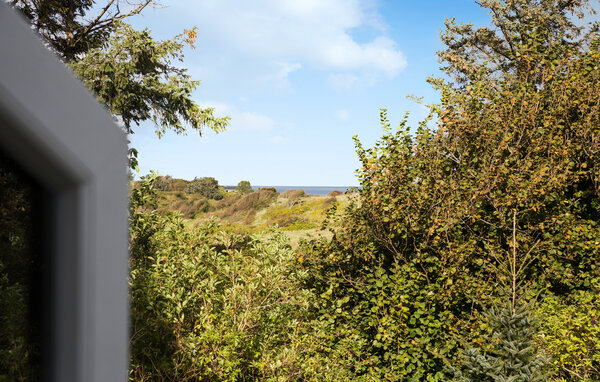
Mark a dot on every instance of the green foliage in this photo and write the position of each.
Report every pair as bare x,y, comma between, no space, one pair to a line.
501,195
244,187
295,211
130,72
189,208
207,187
377,326
570,333
245,208
136,79
67,26
212,306
163,183
521,31
513,354
20,268
288,218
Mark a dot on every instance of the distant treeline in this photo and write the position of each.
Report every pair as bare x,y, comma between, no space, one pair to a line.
168,183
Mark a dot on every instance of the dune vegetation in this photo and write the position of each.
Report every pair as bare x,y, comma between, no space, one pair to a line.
469,253
297,214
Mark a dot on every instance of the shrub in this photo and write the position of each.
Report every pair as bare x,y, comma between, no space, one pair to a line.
335,193
570,334
190,208
511,168
244,187
213,306
207,187
163,183
246,207
293,196
227,201
178,185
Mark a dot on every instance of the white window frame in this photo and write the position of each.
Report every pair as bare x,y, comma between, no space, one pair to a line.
53,127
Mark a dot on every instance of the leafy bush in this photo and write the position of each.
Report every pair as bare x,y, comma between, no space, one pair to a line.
510,171
570,333
244,187
207,187
293,196
212,306
178,185
163,183
168,183
21,269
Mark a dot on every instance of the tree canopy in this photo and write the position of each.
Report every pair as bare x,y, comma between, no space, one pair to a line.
73,28
244,187
132,74
206,186
493,201
520,31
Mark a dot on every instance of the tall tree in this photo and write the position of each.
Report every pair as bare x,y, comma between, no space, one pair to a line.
244,187
520,30
73,27
131,73
511,170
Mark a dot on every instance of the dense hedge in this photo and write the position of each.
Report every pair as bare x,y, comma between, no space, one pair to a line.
211,306
493,209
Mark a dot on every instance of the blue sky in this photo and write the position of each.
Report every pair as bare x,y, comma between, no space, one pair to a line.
299,78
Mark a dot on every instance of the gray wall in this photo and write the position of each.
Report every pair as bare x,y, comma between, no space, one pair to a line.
66,140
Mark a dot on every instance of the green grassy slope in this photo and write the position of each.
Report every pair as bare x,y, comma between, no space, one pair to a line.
299,215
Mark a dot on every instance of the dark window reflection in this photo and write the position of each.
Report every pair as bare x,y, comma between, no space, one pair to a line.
21,273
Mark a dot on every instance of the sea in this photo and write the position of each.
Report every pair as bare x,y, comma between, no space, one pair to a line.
309,190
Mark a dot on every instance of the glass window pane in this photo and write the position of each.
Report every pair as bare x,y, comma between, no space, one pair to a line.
21,275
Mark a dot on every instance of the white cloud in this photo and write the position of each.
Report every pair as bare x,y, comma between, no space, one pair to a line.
279,76
221,109
347,81
252,122
341,82
241,120
286,35
342,114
